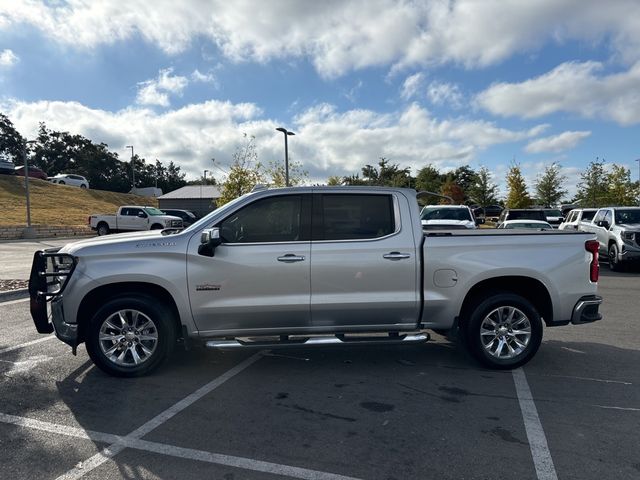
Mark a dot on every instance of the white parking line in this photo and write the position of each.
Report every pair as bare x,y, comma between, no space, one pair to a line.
179,452
11,302
112,450
26,344
535,434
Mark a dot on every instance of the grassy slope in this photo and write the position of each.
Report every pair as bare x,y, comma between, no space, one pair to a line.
58,204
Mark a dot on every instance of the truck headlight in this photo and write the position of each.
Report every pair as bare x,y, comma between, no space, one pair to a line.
627,237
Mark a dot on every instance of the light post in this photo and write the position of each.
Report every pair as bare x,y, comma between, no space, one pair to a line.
28,233
286,153
638,160
133,168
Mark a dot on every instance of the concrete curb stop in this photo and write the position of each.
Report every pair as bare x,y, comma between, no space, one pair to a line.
8,295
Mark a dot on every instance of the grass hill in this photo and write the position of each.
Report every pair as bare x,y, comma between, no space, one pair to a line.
53,204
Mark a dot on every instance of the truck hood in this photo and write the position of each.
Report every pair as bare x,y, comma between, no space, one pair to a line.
456,223
634,227
114,240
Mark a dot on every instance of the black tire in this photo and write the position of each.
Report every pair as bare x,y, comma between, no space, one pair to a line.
147,308
614,264
156,226
61,183
82,185
103,229
494,309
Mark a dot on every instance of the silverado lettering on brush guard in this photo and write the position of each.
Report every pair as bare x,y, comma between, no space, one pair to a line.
313,266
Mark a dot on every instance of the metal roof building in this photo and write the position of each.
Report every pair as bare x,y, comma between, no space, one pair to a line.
200,199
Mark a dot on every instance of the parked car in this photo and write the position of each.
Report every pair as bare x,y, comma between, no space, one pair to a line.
6,166
34,172
618,233
70,179
521,213
577,217
554,216
488,211
535,224
313,266
132,218
447,217
187,216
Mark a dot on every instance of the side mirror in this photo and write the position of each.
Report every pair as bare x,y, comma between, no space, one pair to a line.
209,240
603,224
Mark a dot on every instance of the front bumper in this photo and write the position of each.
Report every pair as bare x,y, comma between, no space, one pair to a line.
586,310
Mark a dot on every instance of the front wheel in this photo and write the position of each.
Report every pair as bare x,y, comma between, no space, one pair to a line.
614,263
503,331
130,335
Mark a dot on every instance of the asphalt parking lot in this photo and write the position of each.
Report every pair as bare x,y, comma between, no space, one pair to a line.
423,411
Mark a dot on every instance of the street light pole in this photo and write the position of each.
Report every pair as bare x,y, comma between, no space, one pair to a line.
133,168
638,160
28,232
286,153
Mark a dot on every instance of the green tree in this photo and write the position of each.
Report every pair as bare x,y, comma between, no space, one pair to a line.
245,173
429,179
276,171
386,175
550,185
465,178
483,191
334,180
11,142
517,194
593,187
621,190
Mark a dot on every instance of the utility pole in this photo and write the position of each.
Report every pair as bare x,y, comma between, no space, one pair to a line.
133,168
28,232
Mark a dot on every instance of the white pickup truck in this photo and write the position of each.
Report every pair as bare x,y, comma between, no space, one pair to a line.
313,266
132,218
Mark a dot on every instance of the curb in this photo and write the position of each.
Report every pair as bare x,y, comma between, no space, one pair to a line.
9,295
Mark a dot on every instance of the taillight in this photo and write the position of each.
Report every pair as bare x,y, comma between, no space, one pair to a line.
593,246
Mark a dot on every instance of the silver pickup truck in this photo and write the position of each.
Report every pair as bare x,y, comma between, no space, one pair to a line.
313,266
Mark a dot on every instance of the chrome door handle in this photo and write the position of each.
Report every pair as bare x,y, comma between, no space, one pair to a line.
396,256
290,258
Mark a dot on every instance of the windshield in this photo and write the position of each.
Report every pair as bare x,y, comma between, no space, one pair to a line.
553,213
153,211
440,213
628,216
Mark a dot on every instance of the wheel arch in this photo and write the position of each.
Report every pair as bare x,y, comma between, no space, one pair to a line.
99,295
529,288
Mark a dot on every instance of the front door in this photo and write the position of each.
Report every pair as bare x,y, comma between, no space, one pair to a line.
258,279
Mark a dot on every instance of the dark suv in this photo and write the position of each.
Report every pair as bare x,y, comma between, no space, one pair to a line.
522,213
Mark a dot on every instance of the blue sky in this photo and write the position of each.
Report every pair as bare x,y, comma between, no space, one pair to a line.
442,82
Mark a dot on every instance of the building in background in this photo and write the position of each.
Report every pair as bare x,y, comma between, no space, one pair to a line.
196,198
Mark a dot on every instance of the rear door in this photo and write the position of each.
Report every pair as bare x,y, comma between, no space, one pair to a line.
364,270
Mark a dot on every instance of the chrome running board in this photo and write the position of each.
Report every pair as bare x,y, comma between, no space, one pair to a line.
285,341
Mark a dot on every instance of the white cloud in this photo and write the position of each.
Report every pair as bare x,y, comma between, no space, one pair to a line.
156,92
327,142
412,85
198,76
447,94
556,143
341,36
8,58
571,87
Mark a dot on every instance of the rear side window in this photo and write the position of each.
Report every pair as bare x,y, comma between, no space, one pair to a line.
354,217
587,216
272,219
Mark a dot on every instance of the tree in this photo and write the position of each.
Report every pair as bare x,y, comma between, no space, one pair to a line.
483,191
244,174
276,171
451,189
550,185
334,180
593,188
11,142
429,179
465,178
517,194
387,175
621,191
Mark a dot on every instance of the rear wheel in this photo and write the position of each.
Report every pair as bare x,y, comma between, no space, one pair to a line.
130,336
503,331
61,183
103,229
82,185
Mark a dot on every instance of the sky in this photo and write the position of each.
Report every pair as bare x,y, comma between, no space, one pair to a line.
447,83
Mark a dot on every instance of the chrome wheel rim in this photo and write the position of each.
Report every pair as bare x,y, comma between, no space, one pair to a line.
505,332
128,338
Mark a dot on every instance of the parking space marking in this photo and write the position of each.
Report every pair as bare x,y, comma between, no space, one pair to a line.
626,409
11,302
112,450
588,379
24,365
26,344
542,460
170,450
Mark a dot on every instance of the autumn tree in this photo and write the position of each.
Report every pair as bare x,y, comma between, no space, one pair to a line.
517,194
245,172
276,171
550,185
621,190
451,189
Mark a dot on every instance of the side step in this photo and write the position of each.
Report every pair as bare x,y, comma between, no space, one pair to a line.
286,341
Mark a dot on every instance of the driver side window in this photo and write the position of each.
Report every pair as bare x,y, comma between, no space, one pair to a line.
272,219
